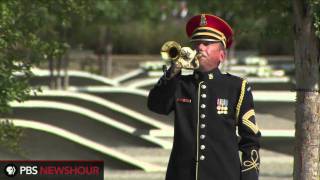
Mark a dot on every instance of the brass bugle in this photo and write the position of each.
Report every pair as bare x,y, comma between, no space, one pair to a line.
185,56
170,50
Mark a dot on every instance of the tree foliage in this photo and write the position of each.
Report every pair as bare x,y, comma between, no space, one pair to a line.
29,34
139,27
10,136
315,5
119,22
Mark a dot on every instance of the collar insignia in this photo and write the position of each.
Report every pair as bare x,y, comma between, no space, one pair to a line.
210,76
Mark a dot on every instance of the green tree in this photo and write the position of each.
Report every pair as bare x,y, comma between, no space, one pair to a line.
307,61
113,18
26,39
264,25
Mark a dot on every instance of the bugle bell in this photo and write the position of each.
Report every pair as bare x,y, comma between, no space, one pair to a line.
185,56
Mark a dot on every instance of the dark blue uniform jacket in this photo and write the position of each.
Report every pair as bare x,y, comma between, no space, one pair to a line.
210,109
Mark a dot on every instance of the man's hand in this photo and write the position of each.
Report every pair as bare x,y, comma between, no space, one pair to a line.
173,70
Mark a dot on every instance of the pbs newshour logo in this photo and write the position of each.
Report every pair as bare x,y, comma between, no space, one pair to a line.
10,170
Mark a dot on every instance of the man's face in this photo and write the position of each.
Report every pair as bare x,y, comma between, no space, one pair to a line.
211,54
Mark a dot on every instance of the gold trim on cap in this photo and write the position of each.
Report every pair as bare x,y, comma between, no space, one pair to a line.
203,39
209,34
211,29
215,33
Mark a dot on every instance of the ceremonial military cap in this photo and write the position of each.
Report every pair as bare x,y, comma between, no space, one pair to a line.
206,27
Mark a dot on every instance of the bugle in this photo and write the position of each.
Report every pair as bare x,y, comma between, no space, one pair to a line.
186,57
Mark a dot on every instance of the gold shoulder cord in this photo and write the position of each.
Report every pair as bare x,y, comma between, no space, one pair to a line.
244,82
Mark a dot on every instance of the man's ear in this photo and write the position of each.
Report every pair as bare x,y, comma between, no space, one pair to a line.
222,55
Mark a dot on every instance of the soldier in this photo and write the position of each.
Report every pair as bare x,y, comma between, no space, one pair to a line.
210,109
